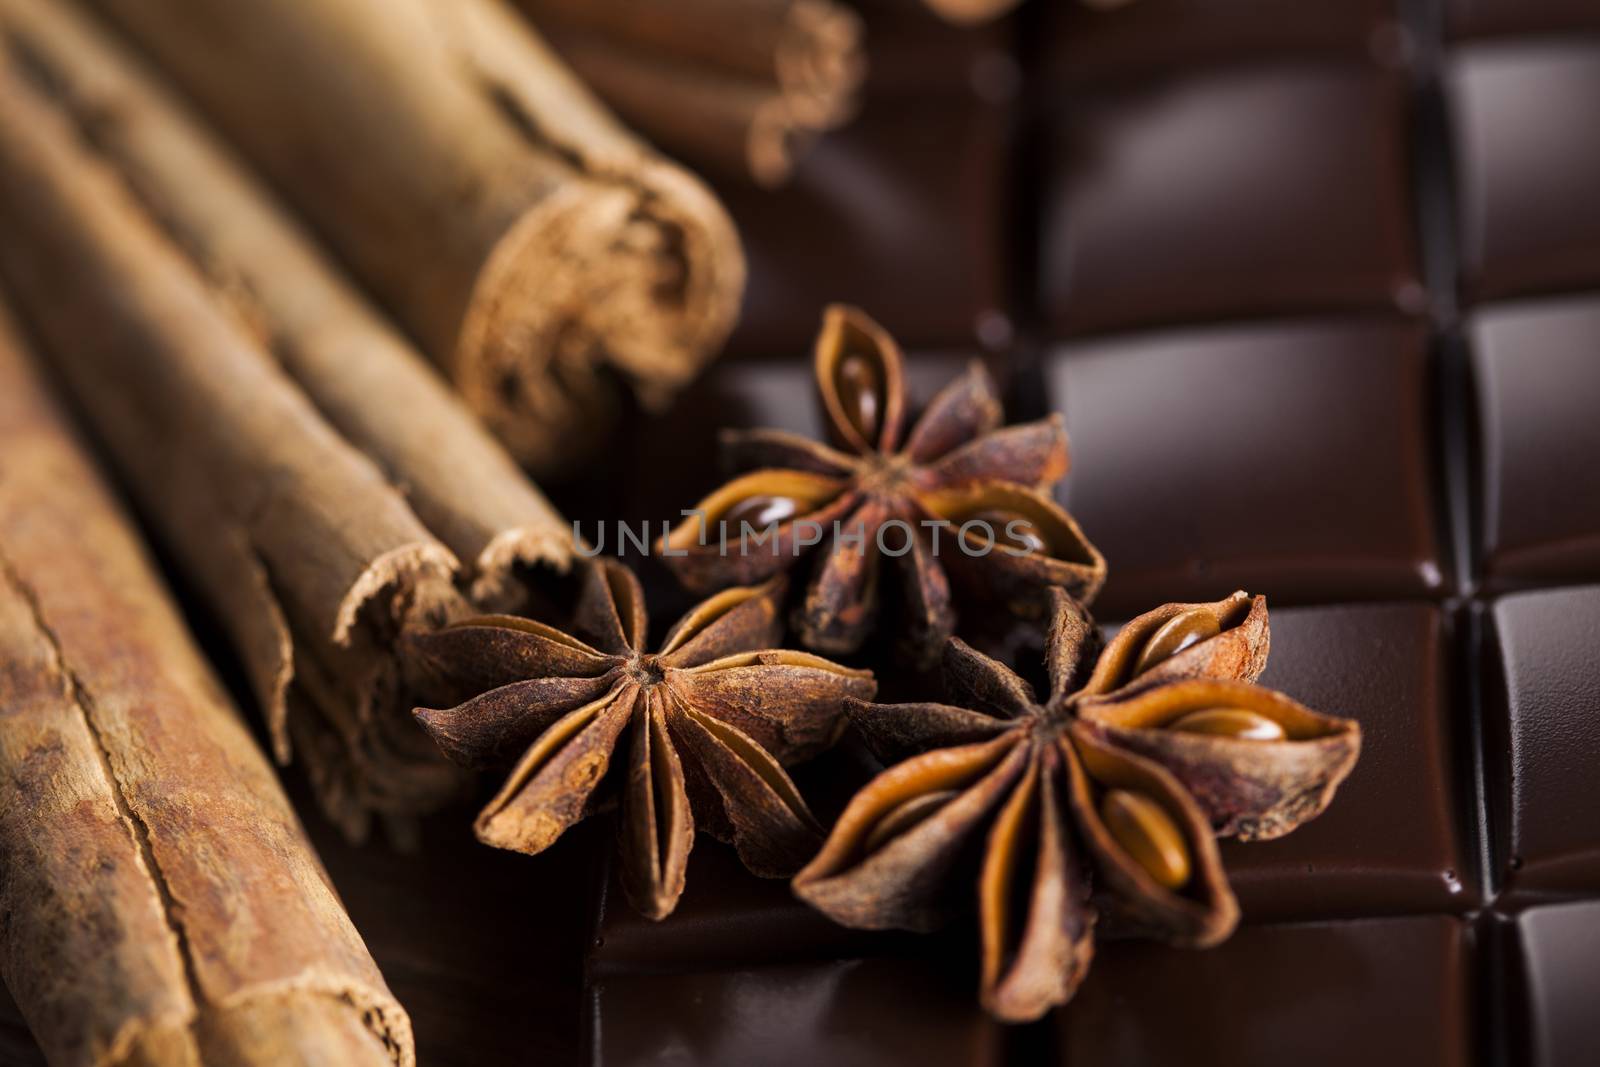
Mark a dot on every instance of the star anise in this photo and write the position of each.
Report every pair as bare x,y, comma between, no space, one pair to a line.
1120,781
706,724
959,499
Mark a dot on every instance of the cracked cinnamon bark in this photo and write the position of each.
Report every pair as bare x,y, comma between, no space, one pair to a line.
308,554
536,249
161,902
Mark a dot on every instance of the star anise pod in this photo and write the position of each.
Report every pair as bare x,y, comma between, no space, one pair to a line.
959,498
706,724
1119,781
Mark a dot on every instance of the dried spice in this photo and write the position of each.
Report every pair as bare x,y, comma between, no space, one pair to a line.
1119,783
706,724
957,500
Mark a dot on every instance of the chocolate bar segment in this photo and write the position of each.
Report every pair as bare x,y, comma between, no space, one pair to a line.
1537,381
1527,163
1244,192
1375,991
1556,970
1543,742
1395,838
1290,459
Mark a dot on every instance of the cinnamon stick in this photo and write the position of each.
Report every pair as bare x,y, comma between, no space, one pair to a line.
713,120
363,375
162,904
308,555
808,51
535,248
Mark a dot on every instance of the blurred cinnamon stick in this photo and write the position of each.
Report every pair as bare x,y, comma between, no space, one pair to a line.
308,555
535,248
161,902
716,121
806,52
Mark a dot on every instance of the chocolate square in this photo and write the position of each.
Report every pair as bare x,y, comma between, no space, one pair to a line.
1379,991
1528,163
1392,841
1557,970
1536,369
1290,459
1543,742
1086,42
1248,191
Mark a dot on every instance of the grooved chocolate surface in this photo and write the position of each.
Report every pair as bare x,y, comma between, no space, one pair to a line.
1216,226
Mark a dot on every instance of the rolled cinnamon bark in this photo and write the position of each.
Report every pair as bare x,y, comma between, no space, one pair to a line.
534,247
364,377
807,52
716,121
162,904
308,555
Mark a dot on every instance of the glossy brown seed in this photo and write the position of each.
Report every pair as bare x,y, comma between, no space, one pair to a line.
904,817
1011,530
1148,835
1176,634
760,511
860,394
1239,723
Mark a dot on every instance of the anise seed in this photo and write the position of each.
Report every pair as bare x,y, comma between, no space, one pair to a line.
761,511
860,394
1238,723
1176,634
1147,834
904,816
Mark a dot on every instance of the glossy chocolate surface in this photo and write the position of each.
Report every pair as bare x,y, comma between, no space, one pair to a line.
1383,991
1290,459
855,1013
1537,386
1234,189
1527,166
1556,971
1256,190
1397,837
1542,676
